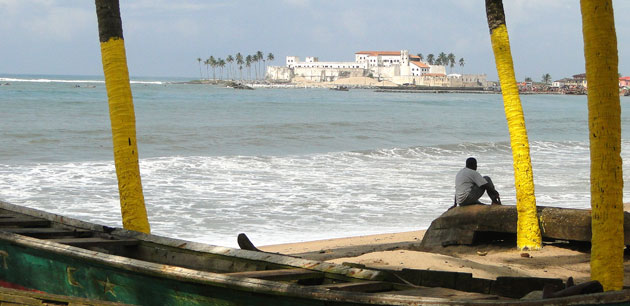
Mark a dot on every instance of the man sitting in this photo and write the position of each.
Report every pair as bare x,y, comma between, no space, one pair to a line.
470,186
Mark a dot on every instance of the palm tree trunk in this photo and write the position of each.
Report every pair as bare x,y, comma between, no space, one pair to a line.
256,70
528,230
604,121
122,116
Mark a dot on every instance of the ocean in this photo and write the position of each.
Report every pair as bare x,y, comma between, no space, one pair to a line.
281,165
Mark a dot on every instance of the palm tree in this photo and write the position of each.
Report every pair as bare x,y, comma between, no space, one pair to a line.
221,64
207,63
443,59
259,57
213,63
270,58
461,64
546,78
122,116
255,60
430,58
229,60
420,56
451,61
604,121
528,234
239,62
199,61
248,64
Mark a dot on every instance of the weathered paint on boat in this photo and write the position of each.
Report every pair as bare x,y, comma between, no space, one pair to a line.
14,297
162,271
53,268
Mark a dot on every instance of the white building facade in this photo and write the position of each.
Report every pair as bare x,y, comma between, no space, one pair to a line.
396,66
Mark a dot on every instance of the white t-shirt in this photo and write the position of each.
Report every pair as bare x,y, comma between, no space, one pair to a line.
464,181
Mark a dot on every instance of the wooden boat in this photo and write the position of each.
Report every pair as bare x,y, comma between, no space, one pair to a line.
468,225
45,252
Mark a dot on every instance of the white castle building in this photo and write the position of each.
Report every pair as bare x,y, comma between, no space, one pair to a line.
396,66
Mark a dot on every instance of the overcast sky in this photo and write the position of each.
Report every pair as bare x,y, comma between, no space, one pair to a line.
164,38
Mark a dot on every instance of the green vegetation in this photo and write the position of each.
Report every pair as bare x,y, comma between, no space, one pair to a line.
443,59
249,61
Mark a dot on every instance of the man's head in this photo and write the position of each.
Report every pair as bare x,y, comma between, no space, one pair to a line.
471,163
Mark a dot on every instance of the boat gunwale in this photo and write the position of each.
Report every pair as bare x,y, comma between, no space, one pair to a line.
251,284
196,247
285,289
211,278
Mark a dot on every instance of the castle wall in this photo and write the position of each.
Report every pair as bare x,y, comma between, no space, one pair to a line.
327,74
279,74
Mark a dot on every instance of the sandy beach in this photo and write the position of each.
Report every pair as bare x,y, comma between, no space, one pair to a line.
399,250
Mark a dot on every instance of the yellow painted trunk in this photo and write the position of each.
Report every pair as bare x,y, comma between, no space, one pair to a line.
123,123
604,118
528,230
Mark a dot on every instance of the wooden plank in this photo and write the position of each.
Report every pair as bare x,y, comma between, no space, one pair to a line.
281,274
367,286
21,297
454,296
48,232
23,222
517,287
356,250
95,241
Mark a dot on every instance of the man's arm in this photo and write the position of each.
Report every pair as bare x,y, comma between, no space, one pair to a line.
492,193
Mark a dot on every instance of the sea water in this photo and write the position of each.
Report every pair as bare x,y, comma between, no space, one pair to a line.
282,165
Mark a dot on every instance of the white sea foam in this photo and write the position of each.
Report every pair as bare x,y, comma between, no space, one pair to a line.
296,198
48,80
41,80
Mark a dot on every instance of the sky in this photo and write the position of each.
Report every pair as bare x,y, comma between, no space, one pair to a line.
164,38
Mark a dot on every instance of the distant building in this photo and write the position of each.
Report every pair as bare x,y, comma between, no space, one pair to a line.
577,81
396,66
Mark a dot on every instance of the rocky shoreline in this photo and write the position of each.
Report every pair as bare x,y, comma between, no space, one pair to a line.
360,83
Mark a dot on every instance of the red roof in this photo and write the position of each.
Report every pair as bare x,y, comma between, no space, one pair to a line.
420,64
625,78
376,53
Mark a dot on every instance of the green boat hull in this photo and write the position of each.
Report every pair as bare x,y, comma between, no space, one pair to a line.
30,269
116,265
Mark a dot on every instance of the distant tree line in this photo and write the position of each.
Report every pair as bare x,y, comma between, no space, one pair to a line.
443,59
546,79
236,62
